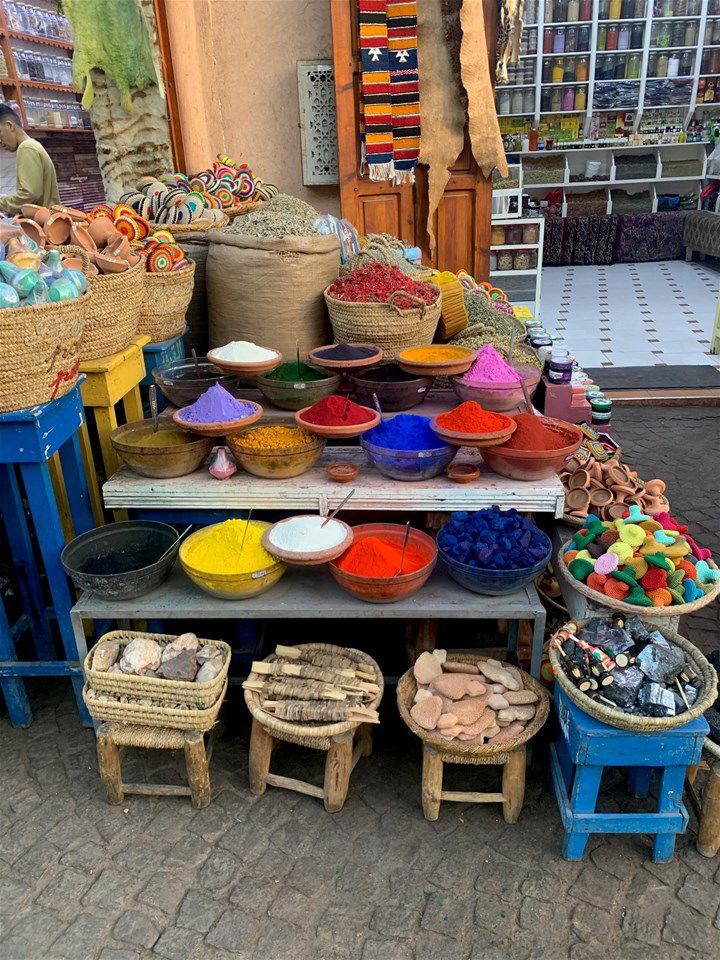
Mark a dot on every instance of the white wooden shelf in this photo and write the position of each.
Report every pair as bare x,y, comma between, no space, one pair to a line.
513,273
515,246
537,272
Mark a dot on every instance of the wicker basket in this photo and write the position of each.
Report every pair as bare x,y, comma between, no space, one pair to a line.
167,296
113,313
310,734
155,688
384,324
199,226
40,351
154,716
645,613
474,752
250,207
625,721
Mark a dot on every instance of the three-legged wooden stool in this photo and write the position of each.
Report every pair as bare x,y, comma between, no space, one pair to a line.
340,763
707,811
112,736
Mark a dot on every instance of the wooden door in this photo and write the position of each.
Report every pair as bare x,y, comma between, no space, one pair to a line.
462,220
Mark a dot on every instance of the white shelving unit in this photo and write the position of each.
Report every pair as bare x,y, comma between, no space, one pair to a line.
503,276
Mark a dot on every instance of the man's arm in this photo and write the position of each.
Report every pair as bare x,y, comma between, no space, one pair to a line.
29,182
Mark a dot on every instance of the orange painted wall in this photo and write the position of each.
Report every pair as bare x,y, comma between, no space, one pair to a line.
235,71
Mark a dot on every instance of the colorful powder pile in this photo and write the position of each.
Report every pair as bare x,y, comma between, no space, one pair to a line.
376,282
344,351
470,418
307,534
274,438
163,438
242,351
490,367
406,431
387,373
336,411
296,373
220,551
532,434
493,539
216,405
378,557
442,353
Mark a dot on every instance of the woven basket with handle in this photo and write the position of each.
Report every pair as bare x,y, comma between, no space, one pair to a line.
167,296
384,324
113,312
40,351
200,695
625,721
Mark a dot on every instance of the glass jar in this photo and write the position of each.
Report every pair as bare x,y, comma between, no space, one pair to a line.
677,34
585,10
548,15
604,10
556,100
639,10
582,69
513,233
691,33
529,101
531,233
673,65
583,40
505,260
680,8
547,71
620,66
547,41
516,102
624,37
627,9
545,101
714,61
568,102
605,68
615,10
569,72
521,260
633,66
581,98
503,102
571,39
662,35
493,262
602,37
572,12
667,8
559,40
686,63
601,410
497,234
611,39
558,70
661,65
560,368
716,31
636,36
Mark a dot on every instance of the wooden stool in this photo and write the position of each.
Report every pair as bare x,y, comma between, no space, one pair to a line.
111,736
340,762
437,750
708,813
110,380
29,439
162,355
585,746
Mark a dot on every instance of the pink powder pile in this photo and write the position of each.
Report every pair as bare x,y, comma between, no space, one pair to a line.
490,367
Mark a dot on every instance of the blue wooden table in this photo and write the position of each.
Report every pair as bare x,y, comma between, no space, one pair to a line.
162,355
28,439
585,746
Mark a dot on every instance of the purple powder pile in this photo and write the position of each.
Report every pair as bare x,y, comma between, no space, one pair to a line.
216,405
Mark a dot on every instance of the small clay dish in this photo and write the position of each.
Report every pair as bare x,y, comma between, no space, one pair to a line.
622,488
57,229
73,263
102,230
600,498
32,229
463,472
577,499
653,488
82,238
109,264
616,475
77,215
595,484
580,480
342,472
614,511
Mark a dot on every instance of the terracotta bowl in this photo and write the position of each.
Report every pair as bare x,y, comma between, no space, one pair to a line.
76,215
308,558
342,472
352,430
109,264
534,464
32,229
31,210
479,440
82,238
102,231
57,228
462,472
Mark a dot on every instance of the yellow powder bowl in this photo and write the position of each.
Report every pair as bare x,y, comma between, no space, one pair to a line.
230,586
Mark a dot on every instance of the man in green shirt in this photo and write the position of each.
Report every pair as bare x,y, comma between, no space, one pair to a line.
34,170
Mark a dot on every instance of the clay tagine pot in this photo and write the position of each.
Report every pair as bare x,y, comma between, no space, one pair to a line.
655,488
57,229
614,511
577,499
600,498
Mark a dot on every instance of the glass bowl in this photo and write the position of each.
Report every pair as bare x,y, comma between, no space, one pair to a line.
409,464
492,582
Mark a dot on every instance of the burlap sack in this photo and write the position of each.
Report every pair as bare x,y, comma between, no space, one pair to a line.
270,291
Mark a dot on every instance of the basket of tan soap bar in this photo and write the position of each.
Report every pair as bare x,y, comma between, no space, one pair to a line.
159,667
468,704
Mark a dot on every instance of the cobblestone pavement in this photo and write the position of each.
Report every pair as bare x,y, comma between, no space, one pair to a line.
277,878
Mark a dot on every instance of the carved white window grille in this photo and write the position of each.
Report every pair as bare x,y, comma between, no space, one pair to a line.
318,129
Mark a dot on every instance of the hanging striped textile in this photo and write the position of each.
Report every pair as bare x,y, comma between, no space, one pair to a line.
404,87
376,131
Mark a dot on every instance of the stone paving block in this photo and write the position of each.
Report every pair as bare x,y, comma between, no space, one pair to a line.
387,950
236,931
136,928
432,946
36,928
81,939
684,926
198,911
400,919
220,870
164,891
701,895
447,914
67,886
176,943
118,953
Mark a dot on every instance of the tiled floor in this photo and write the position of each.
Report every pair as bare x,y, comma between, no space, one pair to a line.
633,315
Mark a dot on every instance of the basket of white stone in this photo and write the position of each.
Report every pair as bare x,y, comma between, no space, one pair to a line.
158,668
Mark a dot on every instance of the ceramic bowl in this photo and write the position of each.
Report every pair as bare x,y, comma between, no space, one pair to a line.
57,229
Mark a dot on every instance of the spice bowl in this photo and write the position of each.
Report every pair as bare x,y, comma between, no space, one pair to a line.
409,465
296,394
182,383
307,558
387,589
403,393
459,360
170,452
462,472
218,429
499,397
342,472
245,368
479,440
495,583
230,586
534,464
350,365
122,561
351,430
275,463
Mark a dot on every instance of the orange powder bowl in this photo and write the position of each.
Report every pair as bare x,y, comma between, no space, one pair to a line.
476,439
386,589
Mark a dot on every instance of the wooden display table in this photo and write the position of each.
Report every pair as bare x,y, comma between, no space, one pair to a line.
303,593
192,496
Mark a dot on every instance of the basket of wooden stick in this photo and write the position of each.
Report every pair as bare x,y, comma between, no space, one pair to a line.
314,691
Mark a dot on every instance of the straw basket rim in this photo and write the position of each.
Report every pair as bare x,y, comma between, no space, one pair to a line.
623,721
659,613
192,719
407,688
192,227
310,731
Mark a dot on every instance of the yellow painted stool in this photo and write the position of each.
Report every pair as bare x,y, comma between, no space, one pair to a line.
110,380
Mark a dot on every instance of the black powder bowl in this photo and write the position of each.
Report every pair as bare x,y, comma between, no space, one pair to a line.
395,389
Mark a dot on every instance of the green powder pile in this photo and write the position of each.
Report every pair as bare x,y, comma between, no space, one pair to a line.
292,373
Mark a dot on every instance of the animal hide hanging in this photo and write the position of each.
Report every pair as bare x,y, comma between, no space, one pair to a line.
510,30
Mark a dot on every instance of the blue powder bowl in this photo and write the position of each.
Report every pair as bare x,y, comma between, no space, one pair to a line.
408,464
492,582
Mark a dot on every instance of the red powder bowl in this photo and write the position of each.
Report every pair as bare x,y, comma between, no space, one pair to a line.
387,589
534,464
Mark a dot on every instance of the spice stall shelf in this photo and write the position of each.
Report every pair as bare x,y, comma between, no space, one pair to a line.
303,592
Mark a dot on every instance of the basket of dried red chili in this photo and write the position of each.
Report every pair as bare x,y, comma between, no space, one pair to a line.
380,305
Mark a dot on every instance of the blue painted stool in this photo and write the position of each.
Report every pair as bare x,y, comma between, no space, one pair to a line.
162,355
28,439
585,746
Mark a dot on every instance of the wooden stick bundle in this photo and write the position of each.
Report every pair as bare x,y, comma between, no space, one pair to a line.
295,689
319,710
320,659
323,675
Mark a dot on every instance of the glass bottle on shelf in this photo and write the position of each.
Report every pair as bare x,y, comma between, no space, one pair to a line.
558,70
700,95
583,40
639,10
516,102
662,35
673,64
652,65
569,72
503,102
678,34
547,71
559,40
531,36
633,66
572,13
530,13
686,63
548,15
556,100
568,102
582,69
602,37
545,101
667,8
716,31
528,101
581,98
624,37
585,10
620,68
714,61
11,13
709,91
3,65
571,39
627,9
560,11
661,65
611,39
636,36
691,33
547,41
604,10
615,9
680,8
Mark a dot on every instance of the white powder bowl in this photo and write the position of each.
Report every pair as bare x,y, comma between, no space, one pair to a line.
257,360
303,540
